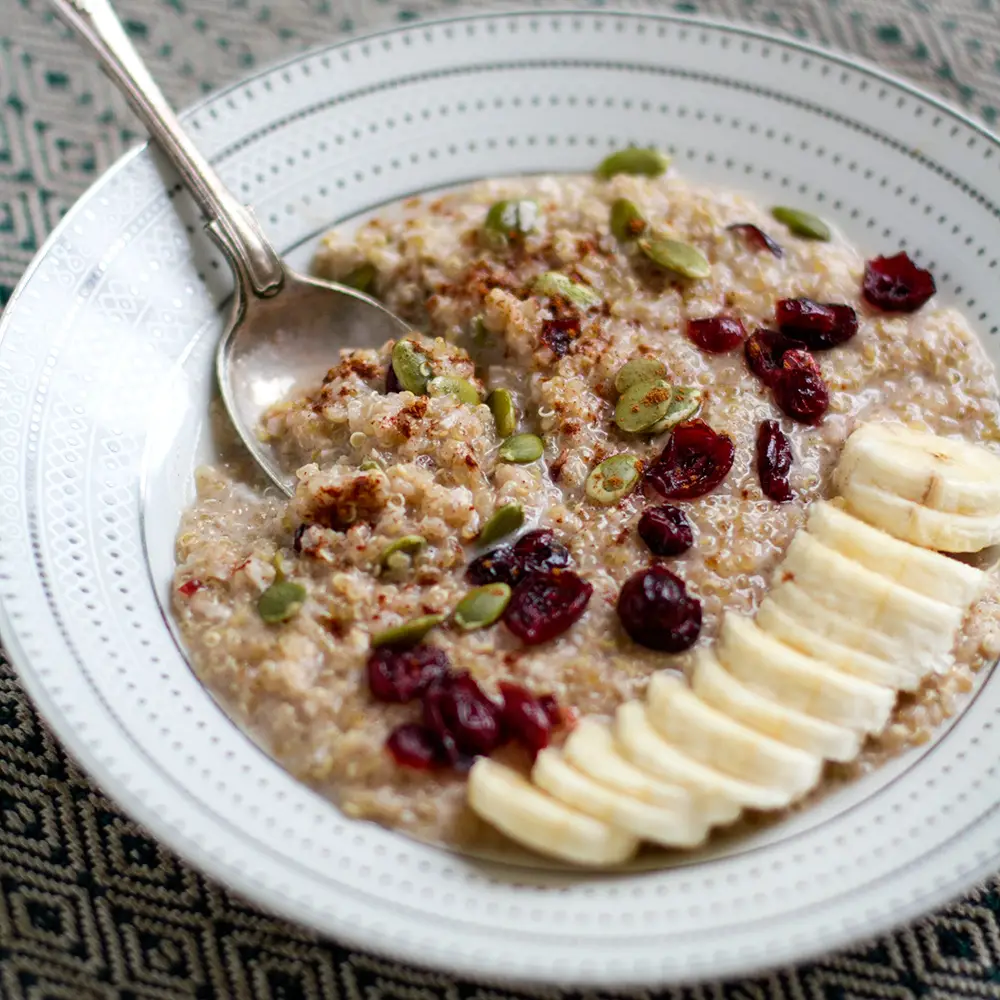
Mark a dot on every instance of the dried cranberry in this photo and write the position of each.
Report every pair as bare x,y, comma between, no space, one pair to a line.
496,566
464,719
400,675
818,325
551,709
666,530
416,746
539,552
544,605
534,552
525,717
717,334
559,333
896,284
391,381
764,351
695,460
774,460
757,238
657,611
191,587
800,390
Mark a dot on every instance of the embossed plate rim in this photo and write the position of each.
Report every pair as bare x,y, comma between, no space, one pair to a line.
206,857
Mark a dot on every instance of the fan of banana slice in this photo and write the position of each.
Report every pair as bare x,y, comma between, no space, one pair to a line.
864,605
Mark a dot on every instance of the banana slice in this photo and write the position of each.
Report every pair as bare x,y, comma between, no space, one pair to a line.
666,826
533,819
721,796
928,573
871,600
941,473
591,749
839,628
800,682
718,741
718,688
795,629
933,529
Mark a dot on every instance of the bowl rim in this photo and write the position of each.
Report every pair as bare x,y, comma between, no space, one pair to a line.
206,862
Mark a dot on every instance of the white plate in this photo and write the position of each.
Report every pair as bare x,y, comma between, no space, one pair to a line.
104,379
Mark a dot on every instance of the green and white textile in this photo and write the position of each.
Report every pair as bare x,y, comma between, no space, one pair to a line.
92,907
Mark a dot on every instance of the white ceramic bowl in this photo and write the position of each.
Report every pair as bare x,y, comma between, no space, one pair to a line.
105,376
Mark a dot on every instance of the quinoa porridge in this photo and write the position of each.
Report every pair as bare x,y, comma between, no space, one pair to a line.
380,464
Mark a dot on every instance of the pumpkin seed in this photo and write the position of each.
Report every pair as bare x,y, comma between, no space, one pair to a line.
408,545
812,227
684,404
369,465
626,221
281,601
407,634
639,370
481,607
633,160
453,385
501,404
362,277
478,332
681,258
642,405
521,448
507,221
558,286
411,367
504,521
613,479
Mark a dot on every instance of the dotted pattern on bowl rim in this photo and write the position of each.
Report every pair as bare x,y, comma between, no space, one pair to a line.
72,569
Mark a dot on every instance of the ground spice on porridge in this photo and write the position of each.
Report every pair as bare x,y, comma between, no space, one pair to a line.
377,466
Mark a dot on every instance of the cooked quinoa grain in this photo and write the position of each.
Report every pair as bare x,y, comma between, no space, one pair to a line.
377,466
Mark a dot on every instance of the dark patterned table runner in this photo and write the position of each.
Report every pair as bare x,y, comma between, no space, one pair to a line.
90,905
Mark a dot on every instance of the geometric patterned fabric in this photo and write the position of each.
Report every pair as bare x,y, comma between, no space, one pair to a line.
90,905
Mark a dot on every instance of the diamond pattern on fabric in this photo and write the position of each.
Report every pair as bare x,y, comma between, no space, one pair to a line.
92,907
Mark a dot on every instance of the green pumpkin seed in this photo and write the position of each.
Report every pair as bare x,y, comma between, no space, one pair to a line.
681,258
481,607
643,405
281,601
405,547
684,404
558,286
369,465
522,449
362,277
626,221
411,367
453,385
614,479
812,227
508,220
639,370
501,404
478,332
504,521
407,634
633,160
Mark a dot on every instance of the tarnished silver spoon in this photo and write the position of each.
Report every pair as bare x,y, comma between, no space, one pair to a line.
283,326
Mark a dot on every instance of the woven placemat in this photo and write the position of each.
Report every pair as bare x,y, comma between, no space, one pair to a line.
90,905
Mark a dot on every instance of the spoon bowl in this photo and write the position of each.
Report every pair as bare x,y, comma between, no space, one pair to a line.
286,342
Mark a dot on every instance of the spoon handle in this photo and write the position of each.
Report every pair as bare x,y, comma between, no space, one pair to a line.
232,225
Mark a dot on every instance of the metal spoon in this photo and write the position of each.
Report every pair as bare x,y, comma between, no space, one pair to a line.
282,325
